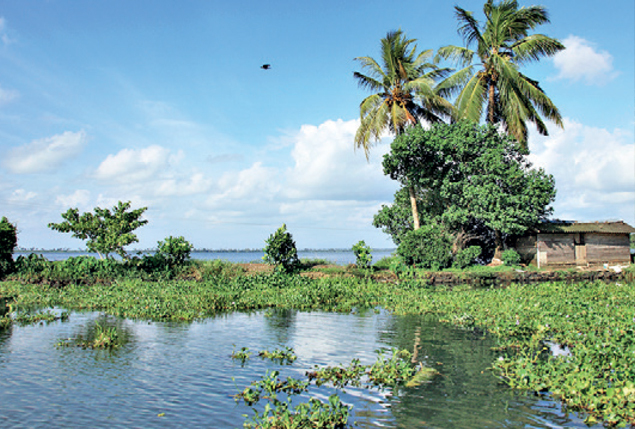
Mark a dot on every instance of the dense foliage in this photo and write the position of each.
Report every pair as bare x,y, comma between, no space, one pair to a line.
106,232
473,180
8,241
280,250
174,250
427,247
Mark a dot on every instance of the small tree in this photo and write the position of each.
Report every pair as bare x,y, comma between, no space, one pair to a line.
280,250
427,247
8,241
175,250
363,258
106,232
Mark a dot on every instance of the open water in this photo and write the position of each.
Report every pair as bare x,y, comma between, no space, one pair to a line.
182,375
338,257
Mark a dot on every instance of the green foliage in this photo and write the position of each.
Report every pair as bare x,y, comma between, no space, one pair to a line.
174,250
473,178
466,257
8,241
106,232
385,263
363,258
280,251
510,257
428,247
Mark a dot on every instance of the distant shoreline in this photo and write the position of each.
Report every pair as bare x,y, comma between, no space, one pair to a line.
341,250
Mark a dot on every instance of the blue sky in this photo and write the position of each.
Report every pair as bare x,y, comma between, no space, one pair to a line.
164,103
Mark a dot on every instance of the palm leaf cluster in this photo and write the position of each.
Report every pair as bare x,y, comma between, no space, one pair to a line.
403,89
491,76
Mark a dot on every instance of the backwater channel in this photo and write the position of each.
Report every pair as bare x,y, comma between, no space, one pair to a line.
182,375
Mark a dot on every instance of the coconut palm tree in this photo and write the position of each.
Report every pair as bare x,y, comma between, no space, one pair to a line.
503,44
403,93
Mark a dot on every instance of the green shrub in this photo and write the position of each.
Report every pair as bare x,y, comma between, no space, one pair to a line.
280,251
8,241
385,263
363,258
428,247
466,257
510,257
174,250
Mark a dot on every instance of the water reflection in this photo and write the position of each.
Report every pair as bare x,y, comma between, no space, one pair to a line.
169,374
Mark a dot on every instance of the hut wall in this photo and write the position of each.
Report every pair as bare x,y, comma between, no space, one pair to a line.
607,248
556,249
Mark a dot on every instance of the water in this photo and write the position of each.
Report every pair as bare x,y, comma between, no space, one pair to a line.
181,375
339,257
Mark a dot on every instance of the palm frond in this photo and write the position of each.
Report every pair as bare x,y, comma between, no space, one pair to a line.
532,48
468,26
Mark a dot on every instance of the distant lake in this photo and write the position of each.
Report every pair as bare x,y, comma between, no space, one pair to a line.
336,256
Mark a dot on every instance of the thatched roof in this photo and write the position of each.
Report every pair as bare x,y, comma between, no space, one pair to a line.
570,227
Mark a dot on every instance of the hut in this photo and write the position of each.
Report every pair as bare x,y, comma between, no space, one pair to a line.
571,243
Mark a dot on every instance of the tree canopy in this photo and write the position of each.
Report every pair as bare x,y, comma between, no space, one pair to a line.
106,231
470,177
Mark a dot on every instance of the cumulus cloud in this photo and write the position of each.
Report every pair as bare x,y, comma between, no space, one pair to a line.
582,61
328,167
134,164
46,154
593,168
80,198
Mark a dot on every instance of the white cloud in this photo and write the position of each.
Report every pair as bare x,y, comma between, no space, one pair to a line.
46,154
80,198
130,165
594,170
328,167
20,196
581,61
8,95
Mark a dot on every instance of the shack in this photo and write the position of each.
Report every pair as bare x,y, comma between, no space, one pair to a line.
571,243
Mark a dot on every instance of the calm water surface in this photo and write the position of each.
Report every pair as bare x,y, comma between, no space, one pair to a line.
185,372
339,257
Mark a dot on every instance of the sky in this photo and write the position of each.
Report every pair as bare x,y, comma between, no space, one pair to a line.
164,104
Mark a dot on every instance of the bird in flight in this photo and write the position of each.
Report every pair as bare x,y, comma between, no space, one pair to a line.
265,66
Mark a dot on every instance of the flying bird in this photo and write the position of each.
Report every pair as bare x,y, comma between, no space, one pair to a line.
265,66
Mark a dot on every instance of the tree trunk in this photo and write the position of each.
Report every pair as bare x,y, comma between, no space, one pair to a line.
490,108
498,240
413,204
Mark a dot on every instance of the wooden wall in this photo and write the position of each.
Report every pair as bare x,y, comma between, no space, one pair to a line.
556,249
607,248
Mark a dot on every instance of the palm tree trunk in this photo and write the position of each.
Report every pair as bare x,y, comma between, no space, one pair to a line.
413,204
491,98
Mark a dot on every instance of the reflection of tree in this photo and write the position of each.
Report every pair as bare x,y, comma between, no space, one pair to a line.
465,384
281,322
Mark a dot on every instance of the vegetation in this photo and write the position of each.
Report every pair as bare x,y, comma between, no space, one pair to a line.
280,251
106,232
8,242
363,257
491,74
593,320
404,93
475,181
427,247
174,250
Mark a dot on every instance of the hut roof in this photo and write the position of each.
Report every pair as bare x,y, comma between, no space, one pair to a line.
616,227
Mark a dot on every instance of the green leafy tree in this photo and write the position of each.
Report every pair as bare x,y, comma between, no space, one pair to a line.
8,242
404,93
428,247
280,250
363,256
472,175
174,250
106,231
491,74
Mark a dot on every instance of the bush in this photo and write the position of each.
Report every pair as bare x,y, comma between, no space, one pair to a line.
174,250
466,257
510,257
363,258
8,241
428,247
280,251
